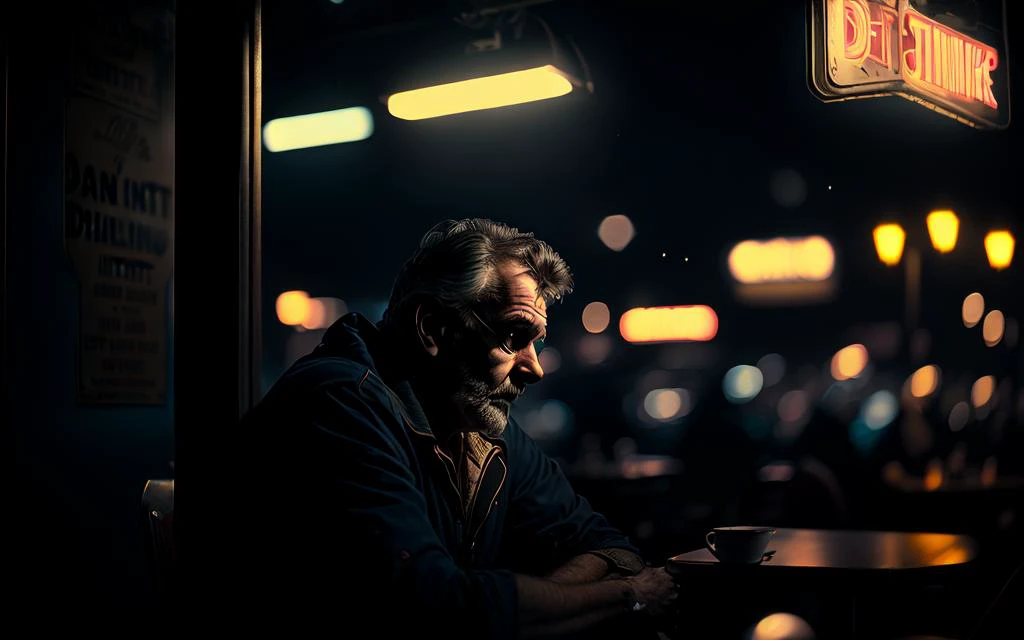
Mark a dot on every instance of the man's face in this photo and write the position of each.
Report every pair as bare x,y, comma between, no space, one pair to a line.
489,377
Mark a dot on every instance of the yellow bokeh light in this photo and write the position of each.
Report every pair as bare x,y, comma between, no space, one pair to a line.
616,232
596,317
292,307
974,307
925,381
669,324
849,362
889,240
999,249
993,328
982,390
943,227
500,90
810,259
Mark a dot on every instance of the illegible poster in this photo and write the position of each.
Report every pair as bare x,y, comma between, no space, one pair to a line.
119,210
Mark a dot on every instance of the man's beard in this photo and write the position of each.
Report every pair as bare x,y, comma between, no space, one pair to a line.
485,408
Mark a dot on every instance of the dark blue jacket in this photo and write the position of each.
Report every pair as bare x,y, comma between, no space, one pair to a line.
360,512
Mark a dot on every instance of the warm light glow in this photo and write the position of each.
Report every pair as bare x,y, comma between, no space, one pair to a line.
292,307
810,259
318,129
982,390
596,317
488,92
925,381
943,227
667,404
669,324
974,307
616,232
933,475
989,469
993,328
889,239
849,362
999,249
782,626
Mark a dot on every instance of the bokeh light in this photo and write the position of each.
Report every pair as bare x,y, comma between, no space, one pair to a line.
849,362
982,390
292,307
773,366
809,259
594,349
668,404
925,381
616,232
669,324
794,406
999,249
889,239
550,360
781,626
973,309
943,228
993,328
788,187
880,409
596,317
959,415
742,383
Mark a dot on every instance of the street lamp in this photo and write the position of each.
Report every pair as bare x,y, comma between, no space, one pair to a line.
943,226
999,249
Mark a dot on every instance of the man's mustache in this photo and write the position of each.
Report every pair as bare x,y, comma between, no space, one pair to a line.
508,393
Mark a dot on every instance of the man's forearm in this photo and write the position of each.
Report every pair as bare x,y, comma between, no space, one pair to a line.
548,608
581,569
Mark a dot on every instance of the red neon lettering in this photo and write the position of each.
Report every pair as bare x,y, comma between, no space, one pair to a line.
948,60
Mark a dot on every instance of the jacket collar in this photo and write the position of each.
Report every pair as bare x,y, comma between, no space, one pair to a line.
355,337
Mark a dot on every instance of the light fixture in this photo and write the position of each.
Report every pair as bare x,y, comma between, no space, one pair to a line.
499,72
999,249
943,227
476,94
889,239
318,129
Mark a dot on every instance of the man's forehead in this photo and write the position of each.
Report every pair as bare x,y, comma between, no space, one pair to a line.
520,287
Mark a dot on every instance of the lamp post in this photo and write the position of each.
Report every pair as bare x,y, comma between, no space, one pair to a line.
943,230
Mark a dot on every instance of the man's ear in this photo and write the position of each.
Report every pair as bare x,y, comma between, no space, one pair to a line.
431,331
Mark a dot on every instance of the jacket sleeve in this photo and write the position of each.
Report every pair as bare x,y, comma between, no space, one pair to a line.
549,521
362,527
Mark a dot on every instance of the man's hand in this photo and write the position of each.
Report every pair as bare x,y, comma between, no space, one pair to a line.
655,590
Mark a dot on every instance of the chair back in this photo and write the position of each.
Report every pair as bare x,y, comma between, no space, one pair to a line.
158,523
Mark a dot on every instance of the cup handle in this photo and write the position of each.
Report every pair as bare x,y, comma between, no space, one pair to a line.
709,540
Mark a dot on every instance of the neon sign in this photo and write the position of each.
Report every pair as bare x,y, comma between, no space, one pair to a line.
951,64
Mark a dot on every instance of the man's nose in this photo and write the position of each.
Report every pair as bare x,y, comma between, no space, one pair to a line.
528,365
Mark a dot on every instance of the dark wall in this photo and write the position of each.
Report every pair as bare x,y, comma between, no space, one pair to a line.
79,469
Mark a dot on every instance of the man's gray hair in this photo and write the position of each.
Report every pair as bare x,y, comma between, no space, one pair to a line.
456,262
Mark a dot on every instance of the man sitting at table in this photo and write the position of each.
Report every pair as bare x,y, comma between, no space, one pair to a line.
395,489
